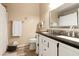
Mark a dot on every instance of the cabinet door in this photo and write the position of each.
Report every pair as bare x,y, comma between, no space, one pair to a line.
45,46
52,50
49,47
66,50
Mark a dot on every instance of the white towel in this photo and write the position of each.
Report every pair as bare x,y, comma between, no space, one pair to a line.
17,28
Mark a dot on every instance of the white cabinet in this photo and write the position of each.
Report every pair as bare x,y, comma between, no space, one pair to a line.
47,46
66,50
50,47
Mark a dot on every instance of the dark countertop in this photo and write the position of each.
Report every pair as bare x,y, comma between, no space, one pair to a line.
62,40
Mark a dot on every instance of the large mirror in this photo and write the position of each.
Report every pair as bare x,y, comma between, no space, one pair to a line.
65,15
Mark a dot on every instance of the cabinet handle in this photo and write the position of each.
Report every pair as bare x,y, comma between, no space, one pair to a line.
48,45
37,44
57,44
57,49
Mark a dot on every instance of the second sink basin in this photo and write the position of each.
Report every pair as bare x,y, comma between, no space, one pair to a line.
69,38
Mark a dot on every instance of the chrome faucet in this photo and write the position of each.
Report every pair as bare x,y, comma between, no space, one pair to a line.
73,33
72,29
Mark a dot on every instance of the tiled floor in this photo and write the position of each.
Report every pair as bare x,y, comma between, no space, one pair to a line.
22,51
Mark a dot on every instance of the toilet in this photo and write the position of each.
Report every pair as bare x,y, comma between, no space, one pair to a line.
32,44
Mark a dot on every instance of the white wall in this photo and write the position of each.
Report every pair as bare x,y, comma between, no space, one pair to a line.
29,14
44,15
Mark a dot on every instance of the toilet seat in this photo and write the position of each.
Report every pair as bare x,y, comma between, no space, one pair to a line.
32,40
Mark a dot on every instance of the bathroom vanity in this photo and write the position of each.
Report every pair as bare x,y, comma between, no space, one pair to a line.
60,43
57,45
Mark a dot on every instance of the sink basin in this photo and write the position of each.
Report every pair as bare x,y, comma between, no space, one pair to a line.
69,38
45,32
